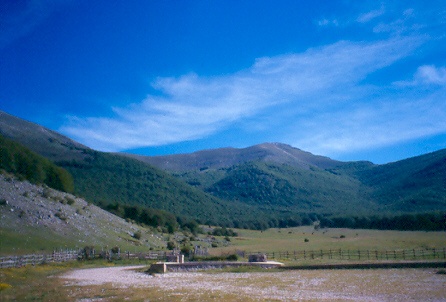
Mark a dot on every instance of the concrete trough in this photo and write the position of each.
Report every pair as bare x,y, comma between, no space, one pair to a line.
164,267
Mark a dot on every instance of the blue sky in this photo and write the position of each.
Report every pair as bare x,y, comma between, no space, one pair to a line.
346,79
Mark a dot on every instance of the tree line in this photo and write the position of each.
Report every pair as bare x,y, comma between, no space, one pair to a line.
27,165
405,222
167,221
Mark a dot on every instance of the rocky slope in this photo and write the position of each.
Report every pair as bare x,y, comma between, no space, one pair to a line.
39,217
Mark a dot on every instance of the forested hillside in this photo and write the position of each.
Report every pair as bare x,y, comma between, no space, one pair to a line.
268,185
19,160
108,178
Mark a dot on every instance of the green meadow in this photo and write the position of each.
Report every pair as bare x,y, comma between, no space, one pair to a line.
307,239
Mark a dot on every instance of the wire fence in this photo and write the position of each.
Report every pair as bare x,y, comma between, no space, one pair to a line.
359,255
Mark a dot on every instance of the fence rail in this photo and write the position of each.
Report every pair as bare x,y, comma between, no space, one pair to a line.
329,255
69,255
34,259
360,255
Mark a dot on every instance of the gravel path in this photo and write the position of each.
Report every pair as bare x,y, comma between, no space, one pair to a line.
328,285
121,276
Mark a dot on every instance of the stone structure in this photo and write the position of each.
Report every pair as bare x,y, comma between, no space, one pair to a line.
257,258
175,258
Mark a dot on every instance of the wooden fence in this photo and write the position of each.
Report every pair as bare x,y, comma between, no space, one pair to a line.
360,255
33,259
334,255
69,255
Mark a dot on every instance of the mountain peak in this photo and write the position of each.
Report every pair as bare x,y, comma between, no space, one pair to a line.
227,157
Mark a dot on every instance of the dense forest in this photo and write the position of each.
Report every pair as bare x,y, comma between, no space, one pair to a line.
19,160
435,221
104,179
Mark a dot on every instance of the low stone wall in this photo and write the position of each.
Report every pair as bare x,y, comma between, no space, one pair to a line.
203,265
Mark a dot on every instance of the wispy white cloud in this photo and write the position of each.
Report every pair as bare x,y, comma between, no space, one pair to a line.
381,123
328,22
426,75
326,83
367,17
429,74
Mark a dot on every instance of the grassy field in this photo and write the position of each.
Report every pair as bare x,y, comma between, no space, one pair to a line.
306,238
42,283
32,283
39,240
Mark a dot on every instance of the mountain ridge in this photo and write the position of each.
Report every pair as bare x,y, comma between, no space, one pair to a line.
268,184
228,156
43,141
106,178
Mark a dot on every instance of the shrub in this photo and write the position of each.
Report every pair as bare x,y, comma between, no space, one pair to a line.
46,193
69,200
61,216
224,232
171,245
137,235
88,252
342,236
4,286
306,240
3,202
186,250
232,257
